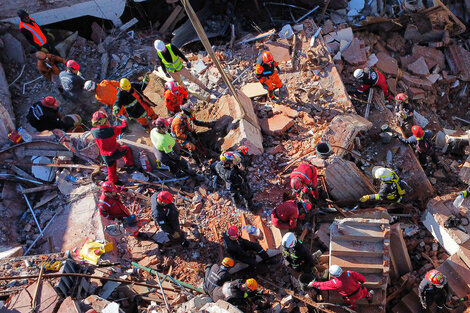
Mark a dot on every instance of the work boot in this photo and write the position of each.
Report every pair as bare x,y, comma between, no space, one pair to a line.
370,296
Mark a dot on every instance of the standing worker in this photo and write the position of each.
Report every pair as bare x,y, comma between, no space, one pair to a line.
166,215
391,187
170,57
216,275
34,33
422,140
371,78
268,76
434,289
404,112
286,215
303,181
175,96
131,98
297,256
46,65
105,92
72,82
240,249
349,284
105,136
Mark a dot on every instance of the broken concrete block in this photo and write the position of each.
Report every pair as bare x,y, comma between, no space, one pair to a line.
372,60
433,78
432,56
420,119
419,67
459,61
252,90
416,93
279,51
46,301
400,259
415,81
343,34
386,64
13,50
245,134
194,305
220,306
276,125
287,111
355,54
7,252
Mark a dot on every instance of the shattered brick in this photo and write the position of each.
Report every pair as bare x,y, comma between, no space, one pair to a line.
387,64
276,125
459,61
355,54
416,93
411,80
432,56
419,67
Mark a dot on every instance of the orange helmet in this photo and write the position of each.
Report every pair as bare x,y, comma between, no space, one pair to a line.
417,131
401,97
296,183
164,197
252,284
233,232
73,65
99,118
436,277
50,102
258,69
108,186
267,57
228,262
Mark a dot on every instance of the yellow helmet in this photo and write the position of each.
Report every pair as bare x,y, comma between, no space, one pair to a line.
252,284
228,262
125,84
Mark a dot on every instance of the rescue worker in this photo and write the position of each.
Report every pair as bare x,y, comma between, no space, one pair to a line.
175,96
216,275
105,136
297,256
371,78
303,181
170,57
136,105
166,151
268,76
349,284
72,82
241,249
242,151
235,180
165,215
422,140
434,289
46,64
391,187
404,112
286,215
44,115
35,35
105,92
183,130
239,293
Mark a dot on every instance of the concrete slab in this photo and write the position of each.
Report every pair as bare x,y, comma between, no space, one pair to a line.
459,61
47,299
387,64
245,134
355,54
458,275
279,51
419,67
252,90
276,125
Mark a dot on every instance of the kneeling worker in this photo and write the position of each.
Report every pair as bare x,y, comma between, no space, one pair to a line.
44,115
286,215
239,248
217,275
391,187
297,256
237,292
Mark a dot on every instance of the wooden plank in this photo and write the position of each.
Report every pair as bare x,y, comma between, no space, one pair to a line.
400,259
37,189
50,153
267,242
359,264
22,173
356,248
357,231
174,14
45,199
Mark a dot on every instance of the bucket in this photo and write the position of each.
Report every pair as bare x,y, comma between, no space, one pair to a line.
323,150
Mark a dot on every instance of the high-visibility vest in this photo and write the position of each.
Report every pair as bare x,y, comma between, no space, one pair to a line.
38,36
175,65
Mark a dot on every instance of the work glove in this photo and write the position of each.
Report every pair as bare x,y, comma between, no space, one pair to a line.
464,298
188,64
176,235
463,193
364,198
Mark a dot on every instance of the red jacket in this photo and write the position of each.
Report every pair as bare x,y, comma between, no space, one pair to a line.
308,175
346,284
105,137
112,208
285,216
173,102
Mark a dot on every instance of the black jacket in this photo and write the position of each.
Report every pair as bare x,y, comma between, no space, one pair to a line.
370,78
165,216
429,293
126,98
298,256
237,249
216,276
230,175
44,118
230,292
72,84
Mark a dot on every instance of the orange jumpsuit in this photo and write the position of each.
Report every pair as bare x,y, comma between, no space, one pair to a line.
47,67
180,128
173,102
269,77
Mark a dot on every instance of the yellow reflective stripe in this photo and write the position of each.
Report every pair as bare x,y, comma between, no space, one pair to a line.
176,63
377,196
131,104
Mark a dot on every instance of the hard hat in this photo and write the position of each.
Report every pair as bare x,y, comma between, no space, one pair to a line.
89,85
252,284
125,84
289,240
401,97
187,108
228,262
436,277
159,45
41,55
243,150
22,14
358,73
258,69
160,122
296,183
230,157
382,173
233,232
99,118
335,270
50,102
108,186
267,57
165,197
73,65
417,131
171,85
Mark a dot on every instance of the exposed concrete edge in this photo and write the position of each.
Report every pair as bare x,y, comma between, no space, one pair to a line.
440,233
10,252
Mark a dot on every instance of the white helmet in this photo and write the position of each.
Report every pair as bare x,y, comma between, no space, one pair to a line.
289,240
335,270
358,73
159,45
89,85
382,173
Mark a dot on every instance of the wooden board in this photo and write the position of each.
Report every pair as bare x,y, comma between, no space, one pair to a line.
170,19
267,242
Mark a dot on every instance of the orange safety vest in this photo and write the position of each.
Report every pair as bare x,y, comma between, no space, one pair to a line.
38,36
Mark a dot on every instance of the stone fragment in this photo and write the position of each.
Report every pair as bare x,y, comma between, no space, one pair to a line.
419,67
433,77
274,150
287,111
276,125
12,50
386,64
459,61
355,54
416,93
194,305
279,51
432,56
414,81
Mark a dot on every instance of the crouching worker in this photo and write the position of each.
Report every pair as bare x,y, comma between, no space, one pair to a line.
44,115
434,289
303,181
391,187
216,275
349,284
175,96
165,215
297,256
286,215
240,293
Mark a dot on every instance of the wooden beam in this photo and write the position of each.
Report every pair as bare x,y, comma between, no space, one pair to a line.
174,14
37,189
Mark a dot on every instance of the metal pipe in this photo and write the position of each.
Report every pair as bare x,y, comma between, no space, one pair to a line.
32,211
163,294
41,235
307,14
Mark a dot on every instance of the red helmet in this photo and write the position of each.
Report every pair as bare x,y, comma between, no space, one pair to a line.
164,197
401,97
171,85
108,186
258,69
233,232
243,150
99,118
50,102
417,131
73,65
160,122
436,277
296,183
267,57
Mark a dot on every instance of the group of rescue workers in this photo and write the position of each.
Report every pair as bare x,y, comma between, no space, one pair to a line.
172,136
